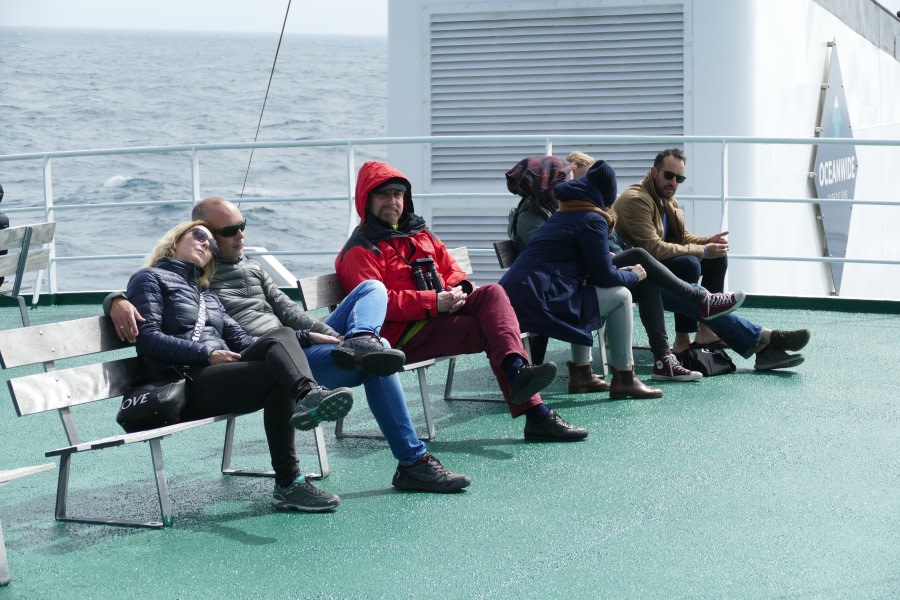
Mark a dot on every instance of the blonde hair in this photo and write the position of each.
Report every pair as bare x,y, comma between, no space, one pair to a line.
165,248
580,159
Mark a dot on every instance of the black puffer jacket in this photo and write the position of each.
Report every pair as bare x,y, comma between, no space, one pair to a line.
167,296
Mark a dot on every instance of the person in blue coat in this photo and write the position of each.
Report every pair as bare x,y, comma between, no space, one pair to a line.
227,370
563,283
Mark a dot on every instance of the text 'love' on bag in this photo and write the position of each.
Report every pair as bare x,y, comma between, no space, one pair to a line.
154,401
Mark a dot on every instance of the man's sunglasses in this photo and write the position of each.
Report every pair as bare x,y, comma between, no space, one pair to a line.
669,175
231,230
200,236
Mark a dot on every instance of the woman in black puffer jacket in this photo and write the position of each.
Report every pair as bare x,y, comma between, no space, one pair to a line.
228,370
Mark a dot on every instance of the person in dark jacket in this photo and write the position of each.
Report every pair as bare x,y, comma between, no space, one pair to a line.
564,281
666,366
228,370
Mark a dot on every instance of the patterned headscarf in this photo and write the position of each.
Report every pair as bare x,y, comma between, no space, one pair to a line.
535,176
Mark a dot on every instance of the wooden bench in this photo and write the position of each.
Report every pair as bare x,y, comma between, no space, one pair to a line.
24,259
6,477
325,291
507,252
63,389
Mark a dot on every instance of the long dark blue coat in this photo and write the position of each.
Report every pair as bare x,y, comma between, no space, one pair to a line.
551,284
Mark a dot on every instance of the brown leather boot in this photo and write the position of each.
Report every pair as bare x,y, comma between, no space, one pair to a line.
582,380
626,385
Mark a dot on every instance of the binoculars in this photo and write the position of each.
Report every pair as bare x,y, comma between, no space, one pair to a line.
426,275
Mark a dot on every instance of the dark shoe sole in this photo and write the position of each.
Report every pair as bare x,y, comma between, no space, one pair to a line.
549,438
626,396
333,407
536,385
442,489
793,361
383,363
300,508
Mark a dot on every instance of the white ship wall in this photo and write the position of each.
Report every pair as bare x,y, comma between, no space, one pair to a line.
751,68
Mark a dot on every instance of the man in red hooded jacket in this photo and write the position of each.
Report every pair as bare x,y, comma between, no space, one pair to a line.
450,318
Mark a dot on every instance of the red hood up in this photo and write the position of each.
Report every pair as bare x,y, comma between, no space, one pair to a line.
371,175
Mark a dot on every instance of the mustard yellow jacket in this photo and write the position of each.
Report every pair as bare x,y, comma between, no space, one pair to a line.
639,221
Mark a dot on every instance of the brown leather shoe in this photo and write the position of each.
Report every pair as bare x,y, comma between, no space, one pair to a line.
582,380
626,385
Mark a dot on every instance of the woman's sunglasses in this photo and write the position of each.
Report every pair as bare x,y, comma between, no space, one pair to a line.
231,230
669,175
200,236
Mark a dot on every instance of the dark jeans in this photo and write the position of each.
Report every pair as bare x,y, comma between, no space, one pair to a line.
268,376
647,295
691,269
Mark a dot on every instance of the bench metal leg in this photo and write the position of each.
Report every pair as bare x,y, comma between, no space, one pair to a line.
23,311
226,456
426,407
321,453
448,389
4,564
62,490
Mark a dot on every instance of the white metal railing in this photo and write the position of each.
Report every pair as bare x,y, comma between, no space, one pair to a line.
349,145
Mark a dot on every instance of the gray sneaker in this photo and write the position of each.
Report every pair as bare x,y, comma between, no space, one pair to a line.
321,404
770,358
428,475
303,496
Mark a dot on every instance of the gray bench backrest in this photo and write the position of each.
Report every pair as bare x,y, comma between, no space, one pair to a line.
326,290
57,389
14,238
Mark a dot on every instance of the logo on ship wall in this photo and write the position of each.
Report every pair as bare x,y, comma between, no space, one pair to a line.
835,168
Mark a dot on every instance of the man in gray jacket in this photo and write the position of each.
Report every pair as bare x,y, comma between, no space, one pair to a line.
343,350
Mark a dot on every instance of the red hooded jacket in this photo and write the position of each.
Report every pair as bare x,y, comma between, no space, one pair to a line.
376,251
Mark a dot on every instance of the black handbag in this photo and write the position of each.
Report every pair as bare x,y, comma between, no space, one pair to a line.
710,361
156,399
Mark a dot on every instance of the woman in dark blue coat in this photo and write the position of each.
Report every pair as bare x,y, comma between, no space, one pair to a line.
564,282
228,370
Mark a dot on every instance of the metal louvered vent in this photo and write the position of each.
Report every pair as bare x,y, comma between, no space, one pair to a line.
617,70
461,228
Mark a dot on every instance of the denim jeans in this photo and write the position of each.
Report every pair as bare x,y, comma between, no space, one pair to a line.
740,334
363,311
615,307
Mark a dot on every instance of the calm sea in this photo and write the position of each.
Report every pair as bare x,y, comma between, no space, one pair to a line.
76,89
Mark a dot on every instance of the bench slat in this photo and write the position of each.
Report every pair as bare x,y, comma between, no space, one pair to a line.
11,474
58,389
138,436
36,260
54,341
321,291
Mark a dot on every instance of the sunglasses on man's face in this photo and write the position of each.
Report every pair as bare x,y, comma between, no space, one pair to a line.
231,230
669,175
200,236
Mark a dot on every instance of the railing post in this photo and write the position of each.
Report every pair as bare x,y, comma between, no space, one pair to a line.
723,222
195,174
548,148
351,189
49,214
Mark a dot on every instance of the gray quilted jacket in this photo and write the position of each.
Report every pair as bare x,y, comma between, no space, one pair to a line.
253,300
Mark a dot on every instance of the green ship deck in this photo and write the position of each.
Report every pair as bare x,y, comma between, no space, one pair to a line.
752,485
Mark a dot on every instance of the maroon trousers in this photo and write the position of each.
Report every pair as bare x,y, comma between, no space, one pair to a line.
486,323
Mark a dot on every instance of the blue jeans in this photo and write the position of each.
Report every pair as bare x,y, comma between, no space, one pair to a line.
363,311
740,334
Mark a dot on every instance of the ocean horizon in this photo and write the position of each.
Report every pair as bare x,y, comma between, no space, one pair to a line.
74,89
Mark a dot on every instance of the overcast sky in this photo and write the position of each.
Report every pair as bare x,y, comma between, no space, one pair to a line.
341,17
347,17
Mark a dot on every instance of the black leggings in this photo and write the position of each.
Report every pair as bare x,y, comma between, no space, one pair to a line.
272,372
646,294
